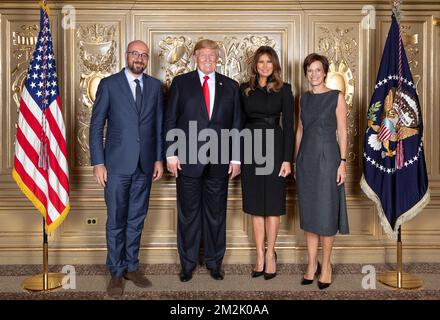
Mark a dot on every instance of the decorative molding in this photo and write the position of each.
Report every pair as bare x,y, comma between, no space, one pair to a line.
340,46
97,45
235,55
23,44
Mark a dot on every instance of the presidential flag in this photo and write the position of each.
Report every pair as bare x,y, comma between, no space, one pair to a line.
40,161
394,174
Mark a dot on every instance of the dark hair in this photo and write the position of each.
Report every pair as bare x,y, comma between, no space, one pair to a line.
274,82
315,57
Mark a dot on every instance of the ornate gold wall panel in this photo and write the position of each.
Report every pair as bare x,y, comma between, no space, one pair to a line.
95,49
97,58
341,42
95,45
238,37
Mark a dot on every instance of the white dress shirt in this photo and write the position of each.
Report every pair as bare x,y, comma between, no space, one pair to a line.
131,77
211,85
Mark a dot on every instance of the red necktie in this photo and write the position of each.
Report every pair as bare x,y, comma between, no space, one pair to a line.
205,88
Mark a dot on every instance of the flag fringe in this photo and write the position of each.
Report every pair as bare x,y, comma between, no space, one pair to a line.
407,216
55,224
40,207
29,194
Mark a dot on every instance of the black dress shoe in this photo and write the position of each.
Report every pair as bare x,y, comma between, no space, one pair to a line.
305,281
185,277
217,274
256,274
268,276
324,285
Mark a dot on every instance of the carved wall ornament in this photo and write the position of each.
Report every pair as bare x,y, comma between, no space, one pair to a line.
23,44
235,55
97,45
341,48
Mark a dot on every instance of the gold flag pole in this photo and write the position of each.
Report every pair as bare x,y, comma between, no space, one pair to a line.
47,280
399,279
44,281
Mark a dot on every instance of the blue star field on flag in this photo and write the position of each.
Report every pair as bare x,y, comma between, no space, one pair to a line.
41,81
395,176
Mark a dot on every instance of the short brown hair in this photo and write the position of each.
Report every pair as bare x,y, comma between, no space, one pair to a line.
315,57
206,43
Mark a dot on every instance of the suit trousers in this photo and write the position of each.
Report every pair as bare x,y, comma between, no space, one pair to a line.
201,205
127,198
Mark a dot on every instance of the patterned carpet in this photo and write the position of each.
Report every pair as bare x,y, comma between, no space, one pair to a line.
91,281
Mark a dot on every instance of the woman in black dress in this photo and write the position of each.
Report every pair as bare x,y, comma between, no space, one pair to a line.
265,98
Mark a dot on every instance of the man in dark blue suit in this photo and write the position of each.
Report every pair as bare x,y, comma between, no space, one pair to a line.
130,102
207,100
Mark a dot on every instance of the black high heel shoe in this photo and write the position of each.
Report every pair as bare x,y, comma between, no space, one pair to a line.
268,276
305,281
256,274
325,285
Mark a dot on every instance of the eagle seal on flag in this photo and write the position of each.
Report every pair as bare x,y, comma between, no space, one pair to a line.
391,129
395,176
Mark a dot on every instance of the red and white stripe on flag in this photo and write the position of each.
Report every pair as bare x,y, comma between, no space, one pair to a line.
384,133
41,128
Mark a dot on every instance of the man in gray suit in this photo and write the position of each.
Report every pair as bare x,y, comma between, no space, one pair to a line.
131,104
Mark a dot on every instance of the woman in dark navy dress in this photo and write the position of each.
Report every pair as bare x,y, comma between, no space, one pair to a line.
320,153
266,99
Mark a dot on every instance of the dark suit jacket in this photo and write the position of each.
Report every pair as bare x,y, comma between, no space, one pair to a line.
131,135
186,103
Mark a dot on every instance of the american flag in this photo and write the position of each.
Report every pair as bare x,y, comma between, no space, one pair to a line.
40,162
